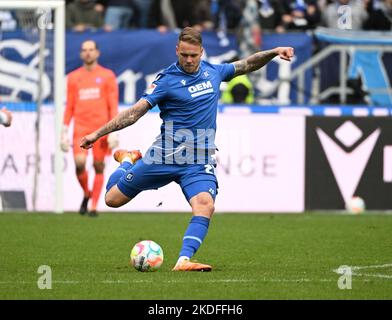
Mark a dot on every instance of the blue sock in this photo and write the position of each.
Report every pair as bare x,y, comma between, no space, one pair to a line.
116,175
194,235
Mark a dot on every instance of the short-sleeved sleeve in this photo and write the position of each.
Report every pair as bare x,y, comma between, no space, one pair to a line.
226,70
156,92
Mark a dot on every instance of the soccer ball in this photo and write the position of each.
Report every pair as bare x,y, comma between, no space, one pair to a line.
147,255
355,205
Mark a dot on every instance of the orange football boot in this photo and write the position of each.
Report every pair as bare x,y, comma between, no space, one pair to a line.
186,265
121,154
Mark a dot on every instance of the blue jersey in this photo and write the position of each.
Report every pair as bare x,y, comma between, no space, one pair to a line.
188,108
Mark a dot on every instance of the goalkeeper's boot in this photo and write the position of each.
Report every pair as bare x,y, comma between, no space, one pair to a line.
93,213
187,265
83,207
133,155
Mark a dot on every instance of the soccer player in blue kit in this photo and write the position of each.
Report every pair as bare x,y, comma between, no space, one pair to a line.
187,94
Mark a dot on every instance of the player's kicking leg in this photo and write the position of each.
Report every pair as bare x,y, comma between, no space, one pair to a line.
114,197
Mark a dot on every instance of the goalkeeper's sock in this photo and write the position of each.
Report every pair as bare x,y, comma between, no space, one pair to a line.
194,236
83,180
116,175
97,188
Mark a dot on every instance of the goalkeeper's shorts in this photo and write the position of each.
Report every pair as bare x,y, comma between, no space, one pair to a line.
100,147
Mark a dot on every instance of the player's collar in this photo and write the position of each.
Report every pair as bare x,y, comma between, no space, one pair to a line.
94,69
188,74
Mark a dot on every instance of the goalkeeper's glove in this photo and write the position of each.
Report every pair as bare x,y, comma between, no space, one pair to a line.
64,144
113,140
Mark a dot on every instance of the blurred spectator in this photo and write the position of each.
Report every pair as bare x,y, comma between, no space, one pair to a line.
354,19
227,14
270,15
249,37
142,8
118,14
300,14
239,90
227,17
322,4
172,14
83,14
249,33
369,4
380,16
100,6
26,19
203,15
7,21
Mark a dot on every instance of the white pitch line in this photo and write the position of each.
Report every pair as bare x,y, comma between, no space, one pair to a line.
74,282
385,276
366,267
375,266
372,266
124,281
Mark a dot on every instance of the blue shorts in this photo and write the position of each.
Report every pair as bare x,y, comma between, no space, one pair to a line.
192,178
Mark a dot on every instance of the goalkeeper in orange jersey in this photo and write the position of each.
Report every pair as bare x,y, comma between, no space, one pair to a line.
92,100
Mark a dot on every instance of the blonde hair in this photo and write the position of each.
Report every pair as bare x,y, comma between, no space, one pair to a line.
190,35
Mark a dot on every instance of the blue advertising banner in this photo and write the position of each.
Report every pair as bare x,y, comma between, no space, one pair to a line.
135,56
19,66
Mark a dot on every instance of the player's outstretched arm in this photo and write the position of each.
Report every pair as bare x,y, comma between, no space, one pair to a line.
123,119
260,59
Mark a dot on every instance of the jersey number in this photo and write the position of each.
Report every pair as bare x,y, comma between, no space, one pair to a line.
209,168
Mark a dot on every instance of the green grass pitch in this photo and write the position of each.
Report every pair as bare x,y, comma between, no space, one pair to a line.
255,256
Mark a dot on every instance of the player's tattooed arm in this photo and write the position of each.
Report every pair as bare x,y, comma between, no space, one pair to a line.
260,59
123,119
